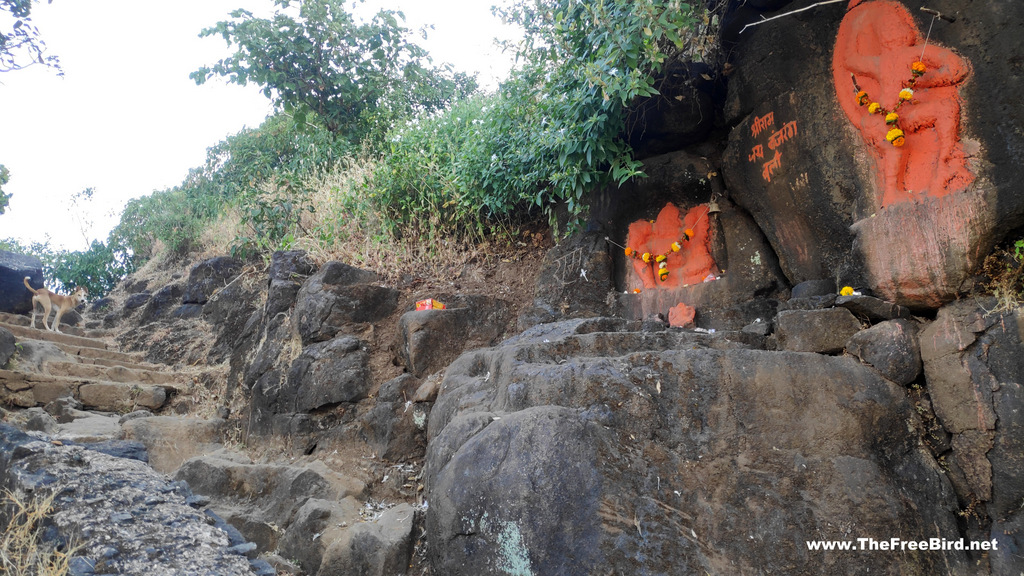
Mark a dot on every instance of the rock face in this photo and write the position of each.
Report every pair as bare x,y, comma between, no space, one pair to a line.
14,298
430,339
579,448
337,297
834,198
130,519
260,500
974,370
209,276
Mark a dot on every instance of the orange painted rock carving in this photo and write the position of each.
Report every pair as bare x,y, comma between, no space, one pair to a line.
691,264
877,43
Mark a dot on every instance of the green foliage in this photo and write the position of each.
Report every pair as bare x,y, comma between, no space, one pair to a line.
98,269
5,198
357,78
432,177
21,45
562,114
553,131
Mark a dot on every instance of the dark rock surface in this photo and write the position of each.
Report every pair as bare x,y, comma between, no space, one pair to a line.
975,377
209,276
14,298
338,297
430,339
326,373
128,518
823,331
592,449
891,347
162,302
7,348
261,500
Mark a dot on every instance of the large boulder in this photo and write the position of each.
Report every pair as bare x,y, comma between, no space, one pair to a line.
834,198
14,298
337,299
209,276
578,448
428,340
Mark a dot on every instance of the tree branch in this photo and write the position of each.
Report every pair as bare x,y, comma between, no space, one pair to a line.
763,19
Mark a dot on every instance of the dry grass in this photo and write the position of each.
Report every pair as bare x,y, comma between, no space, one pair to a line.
1004,270
22,551
345,227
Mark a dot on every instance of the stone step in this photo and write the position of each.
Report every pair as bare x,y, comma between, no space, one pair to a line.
40,334
84,352
123,363
115,373
26,390
7,319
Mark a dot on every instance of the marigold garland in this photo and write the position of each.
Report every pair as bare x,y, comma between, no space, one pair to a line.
660,259
895,135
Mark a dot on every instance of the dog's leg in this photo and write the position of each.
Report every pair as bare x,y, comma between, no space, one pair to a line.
56,319
46,314
35,300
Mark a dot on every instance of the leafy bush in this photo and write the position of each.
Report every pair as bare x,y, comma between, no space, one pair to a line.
562,114
433,177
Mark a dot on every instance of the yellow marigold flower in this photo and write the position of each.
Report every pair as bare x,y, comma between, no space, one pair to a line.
906,94
895,136
660,258
646,257
846,291
862,98
918,68
662,274
874,108
891,118
676,247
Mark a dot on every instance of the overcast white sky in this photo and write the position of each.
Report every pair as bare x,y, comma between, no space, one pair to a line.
127,120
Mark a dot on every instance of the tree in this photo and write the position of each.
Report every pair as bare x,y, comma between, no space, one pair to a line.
20,45
357,78
5,177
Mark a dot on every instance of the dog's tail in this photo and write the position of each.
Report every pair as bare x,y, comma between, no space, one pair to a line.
33,290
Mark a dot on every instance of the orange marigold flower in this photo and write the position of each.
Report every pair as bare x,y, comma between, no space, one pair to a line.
629,251
895,136
689,233
862,98
918,68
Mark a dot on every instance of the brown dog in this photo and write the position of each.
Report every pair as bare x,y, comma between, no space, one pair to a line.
49,299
